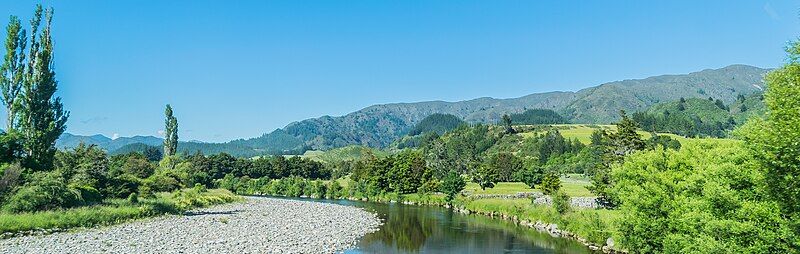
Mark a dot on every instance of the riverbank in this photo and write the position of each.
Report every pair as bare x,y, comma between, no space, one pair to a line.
259,225
112,211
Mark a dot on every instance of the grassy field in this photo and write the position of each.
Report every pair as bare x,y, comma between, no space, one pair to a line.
115,211
573,188
583,132
353,152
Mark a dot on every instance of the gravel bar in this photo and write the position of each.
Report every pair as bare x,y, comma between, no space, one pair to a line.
259,225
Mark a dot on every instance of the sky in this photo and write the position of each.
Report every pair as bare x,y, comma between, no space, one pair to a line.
238,69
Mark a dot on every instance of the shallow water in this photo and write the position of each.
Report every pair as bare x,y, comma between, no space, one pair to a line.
427,229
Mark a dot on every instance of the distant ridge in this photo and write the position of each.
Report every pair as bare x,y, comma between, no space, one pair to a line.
380,125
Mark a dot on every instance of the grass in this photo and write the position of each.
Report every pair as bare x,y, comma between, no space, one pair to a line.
596,225
583,132
573,188
114,211
352,152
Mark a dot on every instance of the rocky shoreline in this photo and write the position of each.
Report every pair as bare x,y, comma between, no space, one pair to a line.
259,225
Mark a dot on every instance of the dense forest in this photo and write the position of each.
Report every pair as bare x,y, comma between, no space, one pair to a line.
700,117
538,116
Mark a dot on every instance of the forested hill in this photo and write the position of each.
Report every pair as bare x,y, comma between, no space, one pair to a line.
380,125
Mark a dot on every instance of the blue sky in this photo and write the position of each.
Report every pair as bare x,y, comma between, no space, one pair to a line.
237,69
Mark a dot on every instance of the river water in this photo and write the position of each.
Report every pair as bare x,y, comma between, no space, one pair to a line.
428,229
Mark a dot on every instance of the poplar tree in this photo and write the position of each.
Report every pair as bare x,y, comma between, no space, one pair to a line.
42,118
170,132
12,69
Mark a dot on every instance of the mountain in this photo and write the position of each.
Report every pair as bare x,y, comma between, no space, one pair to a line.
70,141
380,125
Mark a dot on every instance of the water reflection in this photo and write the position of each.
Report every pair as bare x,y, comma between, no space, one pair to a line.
420,229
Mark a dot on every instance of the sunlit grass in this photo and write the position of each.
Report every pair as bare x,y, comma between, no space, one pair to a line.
114,211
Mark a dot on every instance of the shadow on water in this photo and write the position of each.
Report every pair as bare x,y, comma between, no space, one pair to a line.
426,229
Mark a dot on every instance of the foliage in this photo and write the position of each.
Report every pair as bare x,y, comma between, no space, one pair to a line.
112,211
505,164
774,140
698,117
538,116
10,147
706,198
532,176
41,114
614,146
452,184
45,191
437,123
485,176
507,124
561,202
170,132
551,184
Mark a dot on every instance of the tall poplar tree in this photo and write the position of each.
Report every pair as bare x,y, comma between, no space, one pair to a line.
42,118
12,69
170,132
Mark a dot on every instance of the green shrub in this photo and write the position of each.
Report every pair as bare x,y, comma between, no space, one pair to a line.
550,183
561,202
160,183
87,195
122,186
133,198
45,191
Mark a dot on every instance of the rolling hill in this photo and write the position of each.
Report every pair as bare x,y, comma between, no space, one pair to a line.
380,125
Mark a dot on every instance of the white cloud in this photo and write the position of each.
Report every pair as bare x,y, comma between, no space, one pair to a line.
771,12
161,132
115,136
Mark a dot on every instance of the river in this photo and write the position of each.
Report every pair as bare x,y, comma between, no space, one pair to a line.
428,229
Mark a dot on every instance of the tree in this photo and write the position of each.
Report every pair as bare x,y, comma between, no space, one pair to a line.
505,164
170,132
706,197
485,176
153,153
12,70
452,185
42,117
615,147
507,124
774,140
551,183
532,176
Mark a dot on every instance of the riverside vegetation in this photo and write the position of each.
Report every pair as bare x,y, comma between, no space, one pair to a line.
43,189
661,194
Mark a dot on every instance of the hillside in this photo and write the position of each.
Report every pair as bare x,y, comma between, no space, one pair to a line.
380,125
700,117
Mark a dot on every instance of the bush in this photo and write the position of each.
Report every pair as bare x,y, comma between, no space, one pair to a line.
550,183
87,195
561,202
46,191
122,186
160,183
133,198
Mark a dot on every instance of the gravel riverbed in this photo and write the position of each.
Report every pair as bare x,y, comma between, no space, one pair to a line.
259,225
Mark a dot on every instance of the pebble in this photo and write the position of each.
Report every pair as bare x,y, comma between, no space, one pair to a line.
259,225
